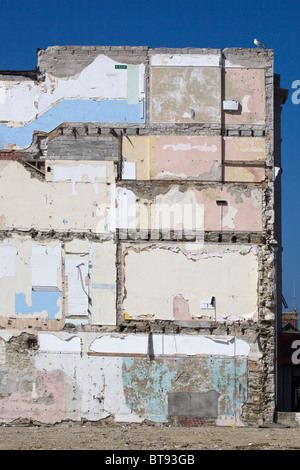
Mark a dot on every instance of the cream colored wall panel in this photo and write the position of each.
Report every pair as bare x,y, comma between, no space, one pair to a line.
103,287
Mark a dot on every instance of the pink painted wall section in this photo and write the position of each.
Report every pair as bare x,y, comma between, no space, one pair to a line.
44,403
242,212
188,157
247,86
245,148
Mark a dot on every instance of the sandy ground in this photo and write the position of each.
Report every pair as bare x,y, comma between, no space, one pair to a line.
110,436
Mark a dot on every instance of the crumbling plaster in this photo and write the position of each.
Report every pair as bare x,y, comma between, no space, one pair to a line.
65,376
155,275
110,161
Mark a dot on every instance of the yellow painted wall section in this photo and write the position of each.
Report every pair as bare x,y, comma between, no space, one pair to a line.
244,174
245,148
140,150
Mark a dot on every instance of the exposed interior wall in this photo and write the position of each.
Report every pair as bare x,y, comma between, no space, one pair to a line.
31,203
49,279
161,377
103,91
173,157
137,263
159,282
193,158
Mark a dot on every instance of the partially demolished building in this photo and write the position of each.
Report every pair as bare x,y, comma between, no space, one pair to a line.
140,236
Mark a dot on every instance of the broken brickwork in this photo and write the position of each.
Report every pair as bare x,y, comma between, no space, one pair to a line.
138,243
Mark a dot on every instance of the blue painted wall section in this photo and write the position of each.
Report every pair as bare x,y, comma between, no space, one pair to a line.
40,301
147,383
105,111
230,380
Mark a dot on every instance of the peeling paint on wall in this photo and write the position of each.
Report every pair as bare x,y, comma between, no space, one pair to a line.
247,86
169,345
100,93
245,174
109,307
50,205
148,386
176,157
185,94
42,302
153,275
75,174
50,281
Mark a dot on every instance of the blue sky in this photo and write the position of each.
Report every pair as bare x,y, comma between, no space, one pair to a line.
35,24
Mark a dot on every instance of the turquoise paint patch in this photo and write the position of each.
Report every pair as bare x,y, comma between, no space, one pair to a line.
40,300
230,379
104,286
105,111
146,386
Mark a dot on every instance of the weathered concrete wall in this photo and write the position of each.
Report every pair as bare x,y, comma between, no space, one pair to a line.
185,93
137,262
50,377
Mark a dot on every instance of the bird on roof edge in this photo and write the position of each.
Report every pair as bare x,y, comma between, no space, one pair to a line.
258,44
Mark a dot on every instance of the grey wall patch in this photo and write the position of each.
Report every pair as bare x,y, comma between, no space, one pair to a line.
194,404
